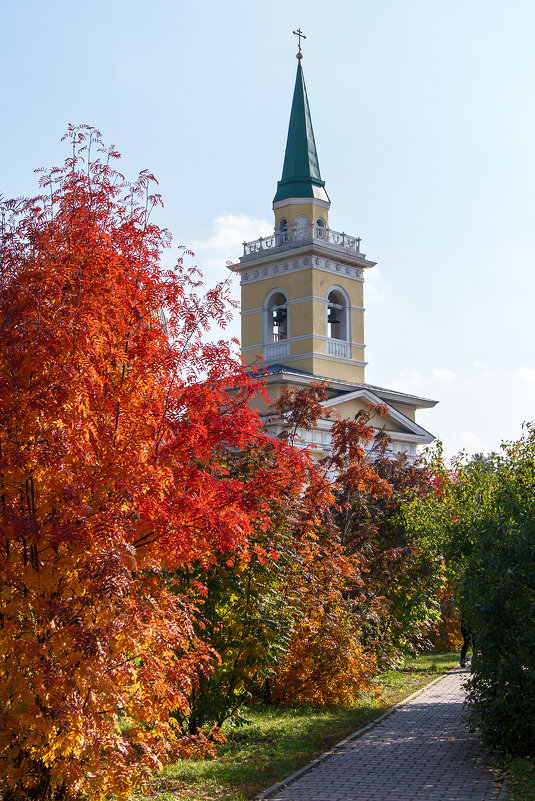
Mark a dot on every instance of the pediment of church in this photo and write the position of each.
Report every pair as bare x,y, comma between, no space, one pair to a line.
395,422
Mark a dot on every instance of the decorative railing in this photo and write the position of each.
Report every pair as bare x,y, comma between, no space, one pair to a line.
322,441
276,350
336,347
297,233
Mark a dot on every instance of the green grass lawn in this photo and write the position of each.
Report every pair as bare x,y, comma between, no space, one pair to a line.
279,740
521,779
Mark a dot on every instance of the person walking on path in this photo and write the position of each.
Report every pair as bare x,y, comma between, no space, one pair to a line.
467,641
421,751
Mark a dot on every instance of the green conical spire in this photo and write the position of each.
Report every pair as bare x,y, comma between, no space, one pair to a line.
301,172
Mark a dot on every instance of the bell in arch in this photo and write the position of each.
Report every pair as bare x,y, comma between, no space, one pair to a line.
333,318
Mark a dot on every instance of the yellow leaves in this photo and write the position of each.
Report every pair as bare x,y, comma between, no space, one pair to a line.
69,666
325,665
326,662
445,635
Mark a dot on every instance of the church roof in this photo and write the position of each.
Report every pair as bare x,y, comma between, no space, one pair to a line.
340,389
342,393
301,176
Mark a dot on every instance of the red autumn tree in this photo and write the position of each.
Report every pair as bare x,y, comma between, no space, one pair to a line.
327,661
115,424
287,623
399,565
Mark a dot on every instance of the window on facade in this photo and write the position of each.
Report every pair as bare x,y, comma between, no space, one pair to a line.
282,231
276,318
320,228
337,315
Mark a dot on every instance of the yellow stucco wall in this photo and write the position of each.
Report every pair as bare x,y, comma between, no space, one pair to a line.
305,316
311,210
251,329
338,370
273,392
350,408
408,411
295,284
322,282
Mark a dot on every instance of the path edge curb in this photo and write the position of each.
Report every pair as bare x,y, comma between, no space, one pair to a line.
298,773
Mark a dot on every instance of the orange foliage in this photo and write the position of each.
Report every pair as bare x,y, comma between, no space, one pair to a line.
326,663
114,428
446,634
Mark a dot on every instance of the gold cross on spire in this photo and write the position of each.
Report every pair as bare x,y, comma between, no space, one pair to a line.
299,33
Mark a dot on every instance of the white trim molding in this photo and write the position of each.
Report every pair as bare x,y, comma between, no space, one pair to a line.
255,273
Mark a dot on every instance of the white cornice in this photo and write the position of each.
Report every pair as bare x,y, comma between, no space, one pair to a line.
295,251
403,436
402,397
347,387
286,378
324,425
313,355
257,272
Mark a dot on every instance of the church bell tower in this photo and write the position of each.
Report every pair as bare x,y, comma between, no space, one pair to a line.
302,287
302,307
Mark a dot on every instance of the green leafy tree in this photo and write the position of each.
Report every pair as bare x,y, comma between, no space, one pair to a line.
498,597
482,518
245,615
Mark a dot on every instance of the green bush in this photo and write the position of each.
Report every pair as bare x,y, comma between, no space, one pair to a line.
499,596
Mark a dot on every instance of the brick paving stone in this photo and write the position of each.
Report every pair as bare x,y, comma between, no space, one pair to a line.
423,751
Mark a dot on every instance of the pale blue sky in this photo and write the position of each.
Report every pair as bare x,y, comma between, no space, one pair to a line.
424,117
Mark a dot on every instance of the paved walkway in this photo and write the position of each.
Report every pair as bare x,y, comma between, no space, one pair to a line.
422,751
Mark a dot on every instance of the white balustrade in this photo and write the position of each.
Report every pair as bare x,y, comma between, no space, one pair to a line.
301,233
336,347
276,350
